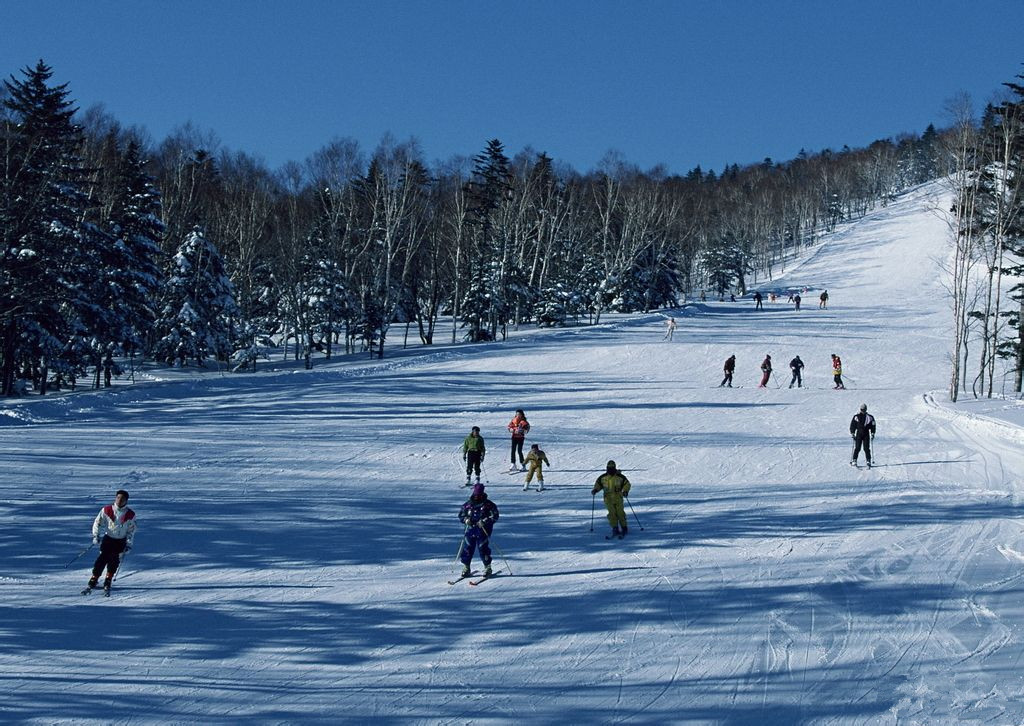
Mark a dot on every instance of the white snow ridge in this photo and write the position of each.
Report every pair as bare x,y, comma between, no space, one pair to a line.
297,529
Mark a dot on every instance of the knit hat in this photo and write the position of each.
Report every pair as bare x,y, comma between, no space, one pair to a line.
610,467
863,407
535,446
478,491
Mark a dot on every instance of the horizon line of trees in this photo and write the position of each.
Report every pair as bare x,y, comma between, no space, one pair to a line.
185,253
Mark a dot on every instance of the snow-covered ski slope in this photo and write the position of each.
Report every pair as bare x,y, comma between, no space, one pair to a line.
297,529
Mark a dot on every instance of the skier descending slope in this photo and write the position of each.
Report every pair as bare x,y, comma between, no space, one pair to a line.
797,366
479,515
862,429
116,524
473,451
615,486
729,368
519,427
766,369
837,372
535,462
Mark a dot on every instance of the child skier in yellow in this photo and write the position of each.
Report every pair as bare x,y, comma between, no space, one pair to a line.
615,486
534,462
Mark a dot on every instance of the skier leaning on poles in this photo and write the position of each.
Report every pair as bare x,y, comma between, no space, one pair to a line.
615,486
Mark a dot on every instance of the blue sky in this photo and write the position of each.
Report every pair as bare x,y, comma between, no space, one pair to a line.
678,83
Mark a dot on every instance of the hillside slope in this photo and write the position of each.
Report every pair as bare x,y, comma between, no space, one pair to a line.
297,529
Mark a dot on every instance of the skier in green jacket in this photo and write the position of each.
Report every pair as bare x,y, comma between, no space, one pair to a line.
473,450
615,486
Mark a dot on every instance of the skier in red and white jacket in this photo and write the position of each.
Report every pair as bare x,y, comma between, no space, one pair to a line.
113,530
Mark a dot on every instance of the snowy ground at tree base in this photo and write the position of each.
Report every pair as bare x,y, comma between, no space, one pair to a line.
297,528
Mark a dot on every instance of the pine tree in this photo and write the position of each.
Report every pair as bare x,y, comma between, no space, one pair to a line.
198,309
49,259
131,271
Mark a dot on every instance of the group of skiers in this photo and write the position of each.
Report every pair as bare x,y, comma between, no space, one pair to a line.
796,367
479,513
474,448
114,527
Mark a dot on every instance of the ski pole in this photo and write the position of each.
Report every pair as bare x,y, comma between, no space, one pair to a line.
593,503
462,543
78,556
500,553
634,513
120,563
777,385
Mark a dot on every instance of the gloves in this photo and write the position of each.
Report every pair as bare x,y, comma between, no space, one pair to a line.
95,540
463,457
127,548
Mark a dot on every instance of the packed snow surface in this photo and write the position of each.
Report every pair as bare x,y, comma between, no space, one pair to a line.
297,529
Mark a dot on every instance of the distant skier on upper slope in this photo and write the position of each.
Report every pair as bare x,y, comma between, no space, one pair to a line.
518,427
837,372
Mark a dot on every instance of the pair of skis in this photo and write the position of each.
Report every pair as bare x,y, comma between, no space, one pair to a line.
89,588
469,577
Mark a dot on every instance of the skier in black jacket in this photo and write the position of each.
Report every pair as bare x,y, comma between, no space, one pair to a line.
862,430
729,368
796,365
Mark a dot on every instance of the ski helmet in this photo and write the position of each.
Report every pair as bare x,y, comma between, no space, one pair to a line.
863,407
478,491
610,466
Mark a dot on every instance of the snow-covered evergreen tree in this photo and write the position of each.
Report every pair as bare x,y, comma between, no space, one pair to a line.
49,257
129,277
198,310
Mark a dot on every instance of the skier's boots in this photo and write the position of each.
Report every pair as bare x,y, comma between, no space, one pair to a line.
465,571
106,584
625,530
487,571
92,581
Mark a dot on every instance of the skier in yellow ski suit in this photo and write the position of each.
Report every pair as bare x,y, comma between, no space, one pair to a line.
615,486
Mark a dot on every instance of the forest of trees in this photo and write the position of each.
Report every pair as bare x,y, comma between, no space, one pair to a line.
987,268
116,248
